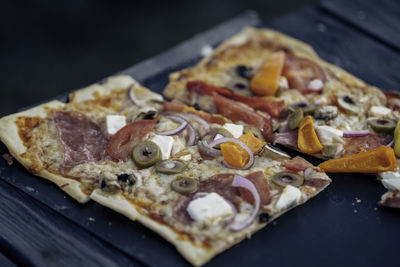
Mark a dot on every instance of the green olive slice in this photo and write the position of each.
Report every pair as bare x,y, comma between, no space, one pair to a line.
287,178
210,136
146,154
307,108
170,166
184,185
382,125
257,132
295,118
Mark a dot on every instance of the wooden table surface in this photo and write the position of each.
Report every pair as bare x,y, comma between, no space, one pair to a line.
362,37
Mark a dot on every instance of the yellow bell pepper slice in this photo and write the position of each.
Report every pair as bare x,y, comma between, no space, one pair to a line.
307,139
397,139
266,80
235,155
380,159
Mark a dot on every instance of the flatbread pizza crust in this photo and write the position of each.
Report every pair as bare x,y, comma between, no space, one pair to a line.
9,135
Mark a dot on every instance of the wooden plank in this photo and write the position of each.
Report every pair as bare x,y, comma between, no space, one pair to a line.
6,262
34,235
379,18
341,45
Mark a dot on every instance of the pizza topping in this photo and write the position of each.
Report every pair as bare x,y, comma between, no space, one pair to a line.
231,130
244,71
297,164
199,120
170,166
379,111
287,178
146,113
108,182
351,134
115,123
307,139
146,154
348,104
286,138
307,108
326,113
121,145
255,131
266,80
397,139
272,152
264,217
315,85
210,208
376,160
295,118
177,130
241,182
184,185
236,112
260,182
381,125
290,196
82,139
239,86
300,72
390,199
391,180
165,144
360,144
142,97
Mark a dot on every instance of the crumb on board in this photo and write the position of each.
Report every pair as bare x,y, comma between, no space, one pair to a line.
8,158
355,211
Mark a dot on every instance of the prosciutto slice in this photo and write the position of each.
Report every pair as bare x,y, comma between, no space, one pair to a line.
82,139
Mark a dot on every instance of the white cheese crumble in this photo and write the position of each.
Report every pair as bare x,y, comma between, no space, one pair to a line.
165,143
209,208
115,123
391,180
290,195
379,111
329,135
315,85
235,129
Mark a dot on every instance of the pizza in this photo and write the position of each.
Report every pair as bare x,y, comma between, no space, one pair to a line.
202,181
279,85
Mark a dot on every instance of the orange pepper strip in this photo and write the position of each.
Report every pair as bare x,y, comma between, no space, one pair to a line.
307,139
235,155
380,159
266,81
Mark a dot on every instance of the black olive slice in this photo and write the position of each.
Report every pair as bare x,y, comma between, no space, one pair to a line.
244,71
287,178
171,166
184,185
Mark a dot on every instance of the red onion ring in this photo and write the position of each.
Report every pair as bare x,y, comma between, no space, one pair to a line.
192,135
200,120
177,130
240,143
207,150
240,181
130,94
350,134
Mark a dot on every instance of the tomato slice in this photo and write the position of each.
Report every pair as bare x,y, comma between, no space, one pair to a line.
261,184
300,72
122,143
174,105
237,112
203,88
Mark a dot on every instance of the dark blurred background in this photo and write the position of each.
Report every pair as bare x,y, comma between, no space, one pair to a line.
48,47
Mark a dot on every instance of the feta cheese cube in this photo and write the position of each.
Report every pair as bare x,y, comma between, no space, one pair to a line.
209,208
114,123
235,129
165,143
379,111
290,195
391,180
329,135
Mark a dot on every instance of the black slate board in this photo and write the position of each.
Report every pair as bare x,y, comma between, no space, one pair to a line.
332,229
378,18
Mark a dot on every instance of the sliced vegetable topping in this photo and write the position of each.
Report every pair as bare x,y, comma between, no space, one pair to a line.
397,139
288,178
179,129
348,104
350,134
266,80
260,182
297,164
307,139
233,156
171,166
376,160
295,118
300,72
184,185
255,131
122,143
240,181
146,154
381,125
307,108
326,113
